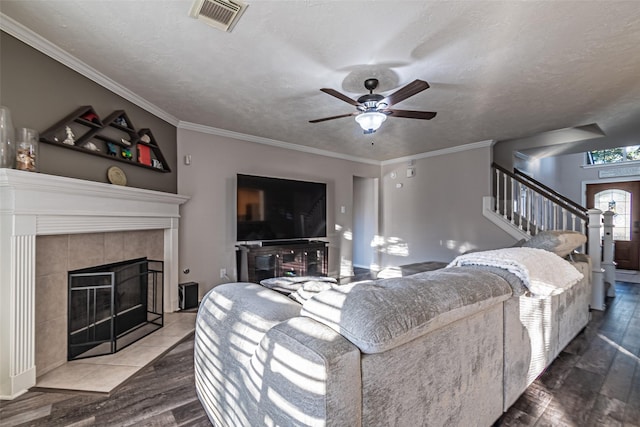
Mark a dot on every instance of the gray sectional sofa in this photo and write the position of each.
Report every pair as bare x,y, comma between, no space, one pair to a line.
451,347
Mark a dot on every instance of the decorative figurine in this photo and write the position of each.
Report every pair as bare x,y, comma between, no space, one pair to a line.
25,160
156,164
121,121
125,142
91,146
71,138
112,149
144,154
145,138
126,153
92,117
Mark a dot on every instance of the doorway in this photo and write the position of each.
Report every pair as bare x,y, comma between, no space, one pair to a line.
623,198
365,222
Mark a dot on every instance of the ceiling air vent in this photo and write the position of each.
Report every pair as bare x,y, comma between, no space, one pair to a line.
221,14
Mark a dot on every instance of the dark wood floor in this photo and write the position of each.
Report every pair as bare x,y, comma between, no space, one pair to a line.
594,382
163,394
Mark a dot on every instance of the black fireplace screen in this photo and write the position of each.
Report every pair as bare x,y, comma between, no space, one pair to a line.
113,305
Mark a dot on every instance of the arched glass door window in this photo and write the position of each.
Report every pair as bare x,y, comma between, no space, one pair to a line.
619,202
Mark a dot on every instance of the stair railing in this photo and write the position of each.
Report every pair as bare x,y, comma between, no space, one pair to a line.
550,191
532,207
528,206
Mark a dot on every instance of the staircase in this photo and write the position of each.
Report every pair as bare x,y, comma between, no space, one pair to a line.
522,207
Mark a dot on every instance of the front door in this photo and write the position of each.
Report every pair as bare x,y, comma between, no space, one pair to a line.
623,198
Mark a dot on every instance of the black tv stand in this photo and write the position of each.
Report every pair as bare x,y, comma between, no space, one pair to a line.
285,242
284,258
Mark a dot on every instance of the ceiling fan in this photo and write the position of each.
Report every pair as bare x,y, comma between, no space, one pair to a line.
373,108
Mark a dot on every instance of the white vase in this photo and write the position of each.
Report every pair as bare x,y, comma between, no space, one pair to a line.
7,141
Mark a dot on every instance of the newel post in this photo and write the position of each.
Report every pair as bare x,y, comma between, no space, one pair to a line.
595,252
608,246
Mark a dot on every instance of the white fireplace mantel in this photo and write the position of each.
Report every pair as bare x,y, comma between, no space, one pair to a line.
33,204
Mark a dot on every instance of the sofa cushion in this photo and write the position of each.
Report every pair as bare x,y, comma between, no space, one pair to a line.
560,242
286,285
383,314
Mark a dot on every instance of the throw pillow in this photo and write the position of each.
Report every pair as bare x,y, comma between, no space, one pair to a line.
560,242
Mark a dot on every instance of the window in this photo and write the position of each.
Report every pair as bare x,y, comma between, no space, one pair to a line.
613,155
619,202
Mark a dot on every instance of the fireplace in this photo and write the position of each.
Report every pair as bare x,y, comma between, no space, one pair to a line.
61,209
112,306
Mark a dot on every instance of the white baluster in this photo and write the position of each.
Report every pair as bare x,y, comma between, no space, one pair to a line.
514,200
498,198
595,252
505,198
534,211
528,216
520,207
544,220
608,249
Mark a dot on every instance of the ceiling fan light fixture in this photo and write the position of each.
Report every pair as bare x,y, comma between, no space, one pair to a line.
371,121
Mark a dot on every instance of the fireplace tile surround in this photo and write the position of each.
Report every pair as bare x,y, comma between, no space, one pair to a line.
55,256
50,225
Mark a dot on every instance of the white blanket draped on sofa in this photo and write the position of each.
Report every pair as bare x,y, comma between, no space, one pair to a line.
542,272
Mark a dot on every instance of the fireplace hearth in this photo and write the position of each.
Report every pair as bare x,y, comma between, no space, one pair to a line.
112,306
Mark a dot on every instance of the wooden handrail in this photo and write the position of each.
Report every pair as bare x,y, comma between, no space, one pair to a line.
550,190
566,203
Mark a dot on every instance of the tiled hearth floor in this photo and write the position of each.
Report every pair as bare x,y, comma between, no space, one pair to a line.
103,374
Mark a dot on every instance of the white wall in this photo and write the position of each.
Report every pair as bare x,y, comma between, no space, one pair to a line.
207,224
437,214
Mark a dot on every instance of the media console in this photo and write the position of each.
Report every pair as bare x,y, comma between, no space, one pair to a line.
299,258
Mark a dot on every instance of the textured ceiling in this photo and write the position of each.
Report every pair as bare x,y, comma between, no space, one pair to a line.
497,70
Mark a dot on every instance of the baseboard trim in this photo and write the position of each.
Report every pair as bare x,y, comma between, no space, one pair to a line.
629,276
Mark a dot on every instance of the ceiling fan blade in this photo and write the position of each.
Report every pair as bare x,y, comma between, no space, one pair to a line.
332,118
424,115
338,95
403,93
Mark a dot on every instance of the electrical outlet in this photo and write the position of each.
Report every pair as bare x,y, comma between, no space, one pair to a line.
223,273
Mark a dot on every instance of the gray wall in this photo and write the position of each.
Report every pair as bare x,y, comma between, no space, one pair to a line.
571,175
207,223
40,91
434,216
437,214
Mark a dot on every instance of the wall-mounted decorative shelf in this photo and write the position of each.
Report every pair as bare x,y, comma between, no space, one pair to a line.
115,138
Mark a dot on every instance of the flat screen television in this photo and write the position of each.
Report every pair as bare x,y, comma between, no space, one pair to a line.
270,209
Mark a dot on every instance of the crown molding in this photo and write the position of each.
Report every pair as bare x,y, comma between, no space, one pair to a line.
442,152
275,143
55,52
272,142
